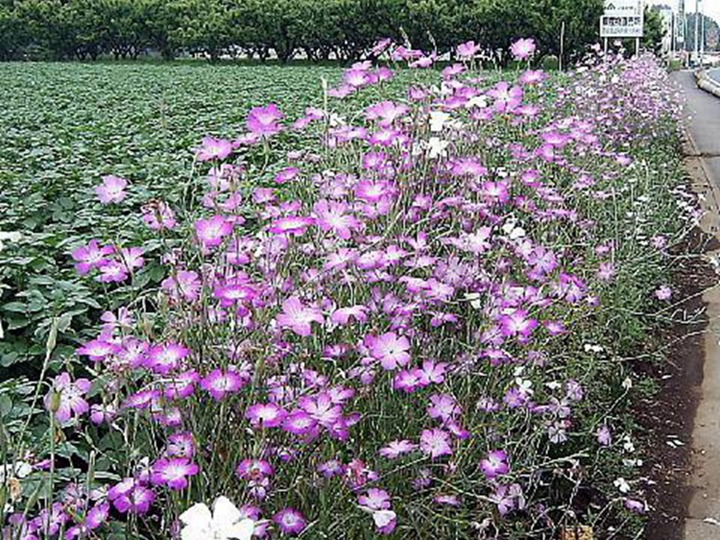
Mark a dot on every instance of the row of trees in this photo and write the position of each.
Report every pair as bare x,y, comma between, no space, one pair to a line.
317,29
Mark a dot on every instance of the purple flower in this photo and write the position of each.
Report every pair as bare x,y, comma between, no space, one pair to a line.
290,521
604,436
159,216
219,383
182,386
213,148
395,449
185,284
334,216
180,445
113,272
663,293
299,422
166,358
265,415
66,399
131,496
91,256
517,323
443,407
495,464
264,121
211,232
523,49
254,469
294,225
98,350
173,472
298,317
467,50
112,189
390,350
435,443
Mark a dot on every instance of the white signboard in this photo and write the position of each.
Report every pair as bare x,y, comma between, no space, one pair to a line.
622,19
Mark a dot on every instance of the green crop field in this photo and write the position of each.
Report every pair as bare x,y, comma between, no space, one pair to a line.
65,125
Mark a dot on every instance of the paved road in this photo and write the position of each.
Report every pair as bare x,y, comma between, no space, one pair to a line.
704,125
703,519
715,74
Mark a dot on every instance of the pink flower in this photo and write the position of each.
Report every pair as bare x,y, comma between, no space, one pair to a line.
517,323
159,216
265,415
264,121
663,293
495,464
112,189
298,317
98,350
91,256
66,399
213,148
435,443
531,77
443,407
604,436
342,316
113,272
130,496
132,258
523,49
390,349
253,469
290,521
467,50
219,383
173,472
180,444
185,284
335,217
211,232
295,225
386,112
395,449
299,422
286,175
165,358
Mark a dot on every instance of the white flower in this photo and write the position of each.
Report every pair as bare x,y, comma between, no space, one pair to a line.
437,120
474,299
437,147
223,523
20,470
627,383
622,485
383,518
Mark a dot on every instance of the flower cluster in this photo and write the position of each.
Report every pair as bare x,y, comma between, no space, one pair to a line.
377,324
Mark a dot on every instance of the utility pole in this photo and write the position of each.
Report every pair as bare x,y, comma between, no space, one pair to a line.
697,29
702,34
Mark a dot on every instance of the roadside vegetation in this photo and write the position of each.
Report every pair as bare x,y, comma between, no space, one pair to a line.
399,303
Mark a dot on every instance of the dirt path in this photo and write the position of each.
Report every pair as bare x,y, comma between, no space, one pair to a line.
702,521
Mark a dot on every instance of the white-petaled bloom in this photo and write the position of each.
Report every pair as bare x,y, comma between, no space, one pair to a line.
223,523
21,469
437,147
383,518
622,485
438,119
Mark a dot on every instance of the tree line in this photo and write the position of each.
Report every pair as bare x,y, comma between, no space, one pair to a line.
262,29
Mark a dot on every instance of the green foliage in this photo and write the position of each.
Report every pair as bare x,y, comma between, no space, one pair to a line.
315,29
